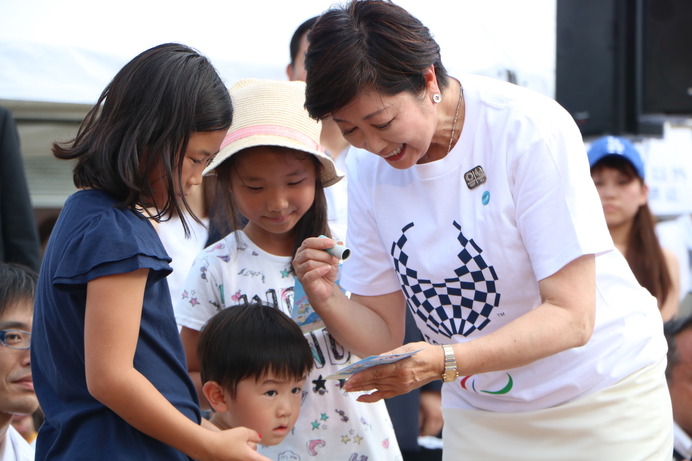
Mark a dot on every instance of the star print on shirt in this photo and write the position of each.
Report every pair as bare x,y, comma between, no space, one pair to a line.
324,417
285,273
320,385
315,425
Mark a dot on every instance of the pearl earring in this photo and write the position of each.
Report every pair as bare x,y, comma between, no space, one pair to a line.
437,98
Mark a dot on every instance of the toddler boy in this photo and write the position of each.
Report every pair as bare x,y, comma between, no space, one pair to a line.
253,362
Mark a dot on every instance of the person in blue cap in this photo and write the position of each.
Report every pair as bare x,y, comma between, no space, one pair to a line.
618,171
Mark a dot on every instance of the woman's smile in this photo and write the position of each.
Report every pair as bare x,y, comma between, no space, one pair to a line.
395,155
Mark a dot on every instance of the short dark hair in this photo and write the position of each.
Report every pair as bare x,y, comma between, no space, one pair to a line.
671,329
248,341
146,114
367,45
17,283
226,216
297,37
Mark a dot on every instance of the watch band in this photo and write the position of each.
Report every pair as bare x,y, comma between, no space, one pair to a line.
450,373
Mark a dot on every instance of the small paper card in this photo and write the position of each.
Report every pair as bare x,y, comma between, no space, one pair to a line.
302,312
368,362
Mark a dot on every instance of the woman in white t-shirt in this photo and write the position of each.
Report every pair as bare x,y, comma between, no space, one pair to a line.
478,213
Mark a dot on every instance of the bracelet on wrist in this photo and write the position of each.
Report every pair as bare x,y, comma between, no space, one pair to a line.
450,372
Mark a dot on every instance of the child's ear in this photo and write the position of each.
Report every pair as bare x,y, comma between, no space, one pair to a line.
215,396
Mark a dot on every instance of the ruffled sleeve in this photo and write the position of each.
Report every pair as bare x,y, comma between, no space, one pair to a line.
114,241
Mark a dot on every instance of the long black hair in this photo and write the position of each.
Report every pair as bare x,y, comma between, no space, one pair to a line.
144,118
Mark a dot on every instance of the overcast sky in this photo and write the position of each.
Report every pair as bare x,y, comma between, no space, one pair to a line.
68,50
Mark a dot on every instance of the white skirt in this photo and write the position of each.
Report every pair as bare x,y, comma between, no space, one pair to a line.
629,421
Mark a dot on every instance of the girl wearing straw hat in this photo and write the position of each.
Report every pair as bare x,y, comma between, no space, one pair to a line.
271,171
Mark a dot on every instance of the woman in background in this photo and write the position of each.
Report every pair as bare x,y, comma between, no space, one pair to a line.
618,172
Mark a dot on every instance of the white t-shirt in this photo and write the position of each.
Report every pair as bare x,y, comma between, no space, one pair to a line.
468,237
181,250
332,425
16,448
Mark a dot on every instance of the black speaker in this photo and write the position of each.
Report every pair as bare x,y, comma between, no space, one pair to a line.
666,58
594,68
623,66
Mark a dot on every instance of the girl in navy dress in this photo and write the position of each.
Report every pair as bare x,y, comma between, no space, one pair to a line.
109,367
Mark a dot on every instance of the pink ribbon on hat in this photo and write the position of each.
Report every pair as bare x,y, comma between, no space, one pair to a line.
272,130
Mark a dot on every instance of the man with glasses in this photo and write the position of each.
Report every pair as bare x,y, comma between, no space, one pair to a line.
679,376
17,288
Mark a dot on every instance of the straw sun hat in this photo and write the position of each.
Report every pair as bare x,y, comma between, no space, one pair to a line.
271,113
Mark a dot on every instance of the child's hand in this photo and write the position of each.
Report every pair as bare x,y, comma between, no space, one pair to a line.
316,269
237,444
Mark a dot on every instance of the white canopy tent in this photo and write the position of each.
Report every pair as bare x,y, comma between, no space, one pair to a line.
56,58
67,51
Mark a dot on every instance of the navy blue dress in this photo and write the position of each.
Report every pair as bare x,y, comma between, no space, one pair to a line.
92,238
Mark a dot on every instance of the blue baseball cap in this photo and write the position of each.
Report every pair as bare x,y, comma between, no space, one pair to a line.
615,145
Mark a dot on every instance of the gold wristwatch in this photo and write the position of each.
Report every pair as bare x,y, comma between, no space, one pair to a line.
450,373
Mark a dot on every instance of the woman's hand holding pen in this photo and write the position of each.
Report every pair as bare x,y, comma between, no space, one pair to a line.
316,269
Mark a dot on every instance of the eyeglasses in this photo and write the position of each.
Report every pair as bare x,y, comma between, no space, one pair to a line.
16,339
